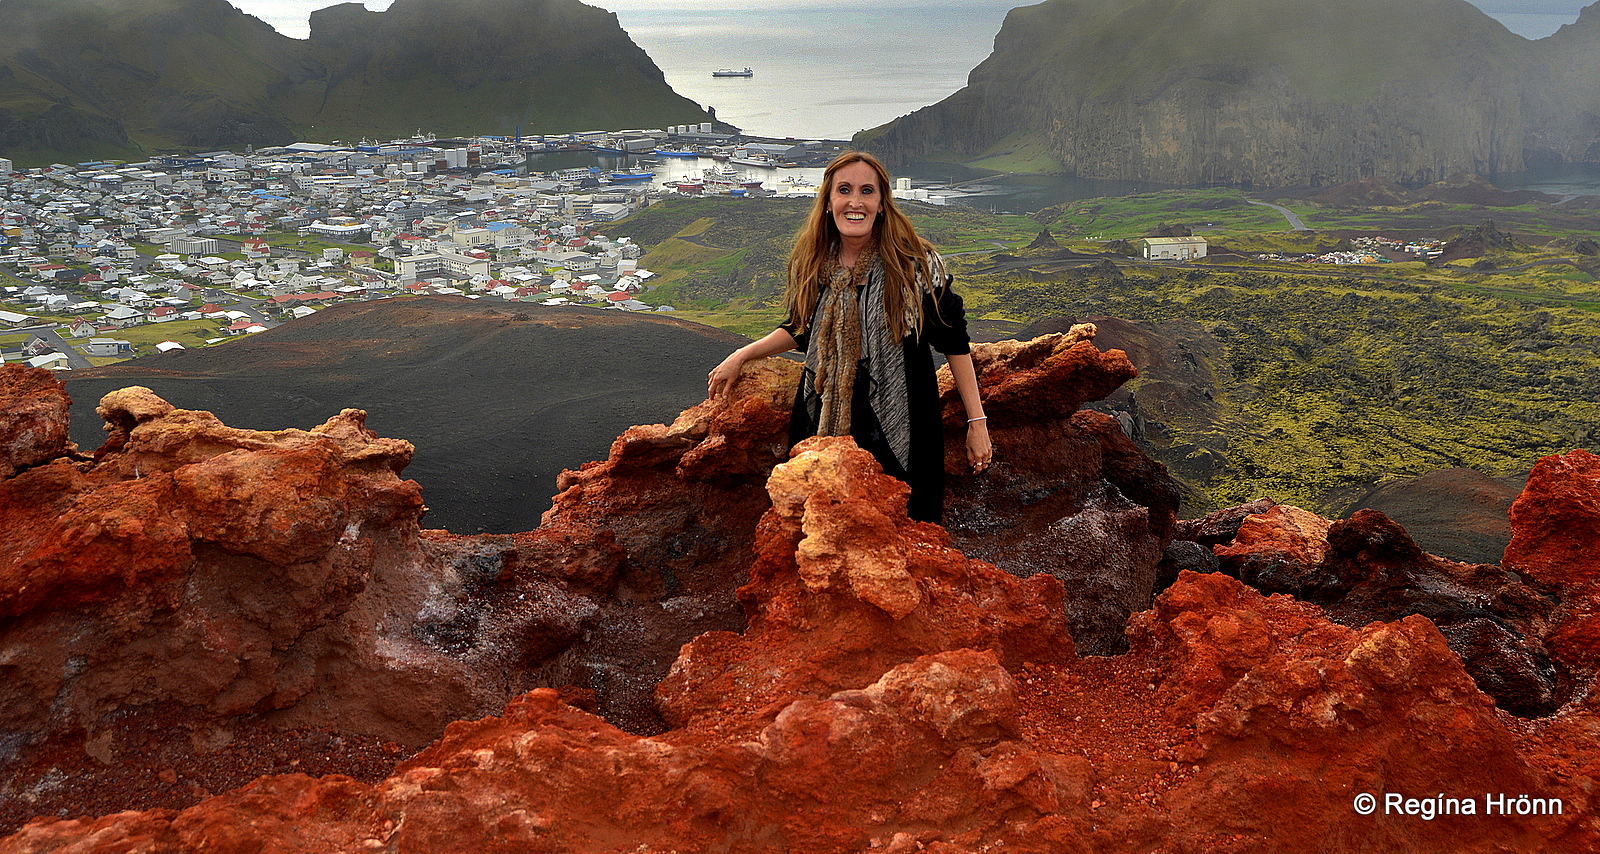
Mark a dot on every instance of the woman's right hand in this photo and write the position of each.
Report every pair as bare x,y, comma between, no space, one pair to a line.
720,382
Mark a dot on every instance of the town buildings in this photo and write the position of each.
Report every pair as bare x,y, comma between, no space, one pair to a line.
273,234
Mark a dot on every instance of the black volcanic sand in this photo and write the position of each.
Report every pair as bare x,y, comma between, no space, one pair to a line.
1459,513
497,397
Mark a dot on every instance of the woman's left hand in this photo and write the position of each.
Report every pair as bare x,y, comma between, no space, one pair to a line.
980,452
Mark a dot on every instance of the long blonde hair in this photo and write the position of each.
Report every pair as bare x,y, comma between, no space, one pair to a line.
903,253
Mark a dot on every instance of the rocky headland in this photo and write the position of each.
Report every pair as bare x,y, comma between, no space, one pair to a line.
98,78
1264,92
710,644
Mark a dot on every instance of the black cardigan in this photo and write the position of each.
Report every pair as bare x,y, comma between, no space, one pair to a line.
944,328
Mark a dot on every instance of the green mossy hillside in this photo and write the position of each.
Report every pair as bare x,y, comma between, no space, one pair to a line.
1329,385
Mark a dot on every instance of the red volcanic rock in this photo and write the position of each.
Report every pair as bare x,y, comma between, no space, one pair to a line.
1283,539
1553,543
854,713
1298,717
206,582
1259,727
1222,526
928,751
658,537
1367,568
1068,494
33,424
845,587
195,565
882,691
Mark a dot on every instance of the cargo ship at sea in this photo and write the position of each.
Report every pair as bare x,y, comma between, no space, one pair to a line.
733,72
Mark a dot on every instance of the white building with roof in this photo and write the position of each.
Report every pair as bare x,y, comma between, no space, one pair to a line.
1174,248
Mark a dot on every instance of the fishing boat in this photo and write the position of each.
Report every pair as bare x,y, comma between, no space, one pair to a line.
723,179
630,177
733,72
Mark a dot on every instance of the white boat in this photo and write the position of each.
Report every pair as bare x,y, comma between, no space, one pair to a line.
733,72
723,179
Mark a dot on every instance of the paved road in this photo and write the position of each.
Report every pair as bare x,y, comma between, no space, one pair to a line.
1291,216
75,360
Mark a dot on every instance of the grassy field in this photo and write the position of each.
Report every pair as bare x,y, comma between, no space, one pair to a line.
189,333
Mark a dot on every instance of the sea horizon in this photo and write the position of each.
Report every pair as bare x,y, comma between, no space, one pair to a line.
827,70
818,73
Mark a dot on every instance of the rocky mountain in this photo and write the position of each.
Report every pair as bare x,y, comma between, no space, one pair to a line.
106,77
1266,92
711,644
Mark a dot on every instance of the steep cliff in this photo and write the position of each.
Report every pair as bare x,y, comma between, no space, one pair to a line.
490,66
1272,92
103,77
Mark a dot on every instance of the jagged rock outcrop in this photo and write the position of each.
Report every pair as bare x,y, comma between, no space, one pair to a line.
867,686
1553,527
1366,568
638,555
657,538
33,424
212,568
1265,92
1234,716
845,587
92,76
1069,493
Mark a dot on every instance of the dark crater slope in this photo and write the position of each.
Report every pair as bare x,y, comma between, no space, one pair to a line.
498,398
1456,513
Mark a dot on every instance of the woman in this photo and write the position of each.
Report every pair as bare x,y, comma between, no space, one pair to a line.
868,301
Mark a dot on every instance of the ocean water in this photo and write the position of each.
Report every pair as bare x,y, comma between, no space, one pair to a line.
1532,25
826,69
822,71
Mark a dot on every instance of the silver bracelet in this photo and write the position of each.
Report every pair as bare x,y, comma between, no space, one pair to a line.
979,418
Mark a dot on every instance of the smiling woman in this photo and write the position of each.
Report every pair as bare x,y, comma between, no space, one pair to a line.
869,301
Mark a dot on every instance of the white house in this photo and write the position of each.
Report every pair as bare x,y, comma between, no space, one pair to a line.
1174,248
124,316
50,361
107,347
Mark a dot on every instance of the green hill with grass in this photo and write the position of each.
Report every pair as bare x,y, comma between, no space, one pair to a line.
124,78
1264,92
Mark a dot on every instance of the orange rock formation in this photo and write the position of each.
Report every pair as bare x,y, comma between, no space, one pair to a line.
848,679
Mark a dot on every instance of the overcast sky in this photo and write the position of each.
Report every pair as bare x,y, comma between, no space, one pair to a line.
1529,17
